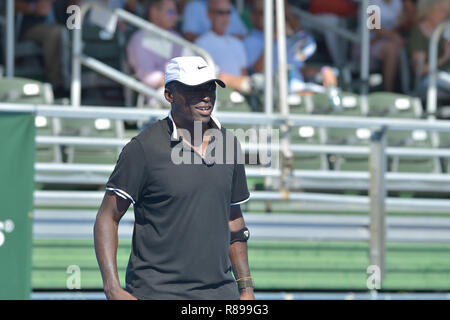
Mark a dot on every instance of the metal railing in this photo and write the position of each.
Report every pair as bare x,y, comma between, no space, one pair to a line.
52,224
239,118
432,94
10,40
339,179
361,37
377,202
261,119
78,58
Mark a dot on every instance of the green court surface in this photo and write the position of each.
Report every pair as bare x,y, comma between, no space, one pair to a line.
274,265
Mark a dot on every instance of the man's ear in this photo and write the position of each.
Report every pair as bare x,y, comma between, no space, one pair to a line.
151,13
168,95
210,15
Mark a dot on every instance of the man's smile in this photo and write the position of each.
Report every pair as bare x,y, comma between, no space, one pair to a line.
204,110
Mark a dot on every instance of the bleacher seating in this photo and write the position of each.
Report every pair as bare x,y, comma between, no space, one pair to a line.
109,49
98,128
22,90
308,161
444,142
230,100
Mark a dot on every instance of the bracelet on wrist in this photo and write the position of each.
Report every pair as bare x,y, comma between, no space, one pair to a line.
245,282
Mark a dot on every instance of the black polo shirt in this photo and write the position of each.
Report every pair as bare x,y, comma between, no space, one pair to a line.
181,238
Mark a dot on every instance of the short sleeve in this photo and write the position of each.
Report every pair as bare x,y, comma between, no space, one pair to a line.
128,177
239,192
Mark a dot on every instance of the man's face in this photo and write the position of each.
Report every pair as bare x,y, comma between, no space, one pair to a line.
439,12
193,103
219,13
164,15
257,14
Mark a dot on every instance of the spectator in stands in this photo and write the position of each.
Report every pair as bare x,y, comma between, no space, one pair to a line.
336,14
148,54
254,45
387,41
129,5
430,13
410,19
197,23
227,51
60,10
39,25
291,19
292,23
133,6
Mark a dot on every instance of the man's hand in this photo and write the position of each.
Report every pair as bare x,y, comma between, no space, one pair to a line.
329,78
119,294
247,294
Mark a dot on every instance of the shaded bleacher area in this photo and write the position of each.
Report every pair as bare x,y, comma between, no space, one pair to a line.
111,49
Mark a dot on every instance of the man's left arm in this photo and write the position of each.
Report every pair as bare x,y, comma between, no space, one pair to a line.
238,254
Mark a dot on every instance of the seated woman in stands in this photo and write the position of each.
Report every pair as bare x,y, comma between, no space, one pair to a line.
387,41
431,13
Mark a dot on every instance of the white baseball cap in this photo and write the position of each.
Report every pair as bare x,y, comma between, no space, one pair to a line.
191,71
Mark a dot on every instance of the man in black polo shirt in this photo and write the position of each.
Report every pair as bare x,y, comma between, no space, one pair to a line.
189,233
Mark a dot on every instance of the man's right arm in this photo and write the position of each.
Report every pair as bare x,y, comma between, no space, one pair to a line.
106,226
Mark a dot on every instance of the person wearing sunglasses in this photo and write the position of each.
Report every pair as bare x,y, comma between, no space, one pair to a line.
227,51
196,21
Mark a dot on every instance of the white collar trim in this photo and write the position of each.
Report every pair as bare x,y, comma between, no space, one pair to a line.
174,126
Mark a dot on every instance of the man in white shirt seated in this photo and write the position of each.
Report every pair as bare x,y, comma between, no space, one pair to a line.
196,22
227,51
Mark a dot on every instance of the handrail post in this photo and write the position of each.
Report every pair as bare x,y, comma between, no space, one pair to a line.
77,50
365,48
268,57
10,41
377,194
432,63
268,82
75,86
286,153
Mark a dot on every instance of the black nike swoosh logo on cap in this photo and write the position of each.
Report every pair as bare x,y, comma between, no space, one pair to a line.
201,67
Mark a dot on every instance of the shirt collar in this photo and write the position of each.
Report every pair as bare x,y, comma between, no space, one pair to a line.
174,126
